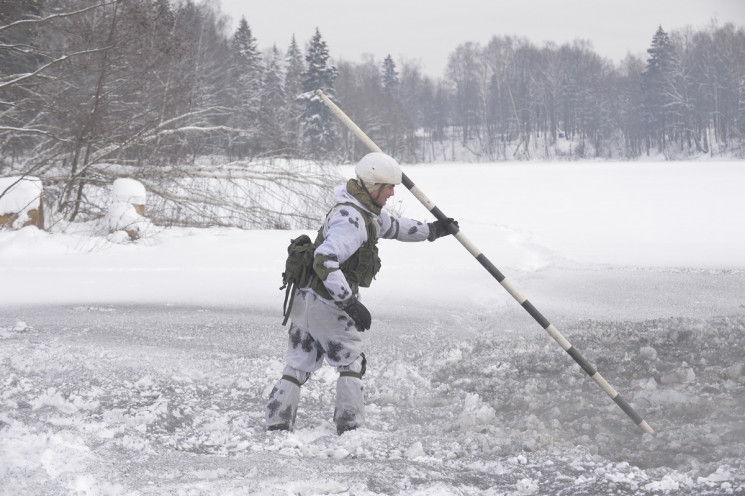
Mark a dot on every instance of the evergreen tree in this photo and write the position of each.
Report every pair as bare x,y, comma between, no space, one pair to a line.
247,70
393,120
740,121
390,76
317,122
273,104
295,68
660,89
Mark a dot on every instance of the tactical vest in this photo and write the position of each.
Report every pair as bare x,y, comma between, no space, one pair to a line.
361,268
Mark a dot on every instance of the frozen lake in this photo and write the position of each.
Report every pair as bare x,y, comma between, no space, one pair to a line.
154,399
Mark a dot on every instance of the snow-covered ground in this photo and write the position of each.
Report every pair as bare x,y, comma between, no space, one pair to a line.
143,368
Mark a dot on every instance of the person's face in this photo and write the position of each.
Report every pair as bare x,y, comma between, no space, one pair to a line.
381,195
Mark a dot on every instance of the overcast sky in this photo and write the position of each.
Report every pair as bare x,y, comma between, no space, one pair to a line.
428,31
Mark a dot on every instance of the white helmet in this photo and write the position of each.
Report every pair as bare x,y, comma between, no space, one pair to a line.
376,169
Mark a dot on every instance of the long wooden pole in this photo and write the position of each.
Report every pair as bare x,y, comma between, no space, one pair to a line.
506,284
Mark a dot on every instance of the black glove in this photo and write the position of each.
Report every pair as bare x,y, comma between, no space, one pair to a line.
358,313
440,228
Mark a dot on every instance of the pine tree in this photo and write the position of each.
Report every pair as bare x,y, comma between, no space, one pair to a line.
319,137
247,69
295,68
390,76
660,84
393,117
740,119
273,100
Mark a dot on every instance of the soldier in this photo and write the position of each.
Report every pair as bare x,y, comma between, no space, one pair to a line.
327,316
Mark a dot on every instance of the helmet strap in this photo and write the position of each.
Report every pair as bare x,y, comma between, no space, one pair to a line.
367,190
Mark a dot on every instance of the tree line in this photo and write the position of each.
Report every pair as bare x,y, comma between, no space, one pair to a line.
164,90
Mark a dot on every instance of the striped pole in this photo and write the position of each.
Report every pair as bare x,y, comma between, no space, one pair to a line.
506,284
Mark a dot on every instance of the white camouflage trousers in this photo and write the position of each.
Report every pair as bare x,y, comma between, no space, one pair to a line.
319,330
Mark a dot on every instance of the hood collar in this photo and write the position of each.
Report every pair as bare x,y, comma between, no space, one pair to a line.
361,195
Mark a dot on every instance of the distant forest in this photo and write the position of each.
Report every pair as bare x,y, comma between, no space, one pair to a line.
157,85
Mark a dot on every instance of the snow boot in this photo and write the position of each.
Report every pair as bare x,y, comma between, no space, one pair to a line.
281,408
349,413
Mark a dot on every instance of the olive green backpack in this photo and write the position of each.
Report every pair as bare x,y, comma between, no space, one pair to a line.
298,270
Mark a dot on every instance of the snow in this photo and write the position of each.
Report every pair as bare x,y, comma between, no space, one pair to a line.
143,367
19,195
125,189
125,223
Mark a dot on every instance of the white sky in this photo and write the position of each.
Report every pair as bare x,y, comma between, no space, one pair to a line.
429,31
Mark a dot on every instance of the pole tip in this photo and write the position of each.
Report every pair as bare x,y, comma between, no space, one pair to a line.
319,92
646,428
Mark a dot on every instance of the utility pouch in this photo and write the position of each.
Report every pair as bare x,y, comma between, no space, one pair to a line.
363,267
298,270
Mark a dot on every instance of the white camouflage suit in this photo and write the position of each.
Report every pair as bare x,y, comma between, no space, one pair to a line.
320,329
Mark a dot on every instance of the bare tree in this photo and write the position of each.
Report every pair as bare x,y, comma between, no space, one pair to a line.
126,87
94,89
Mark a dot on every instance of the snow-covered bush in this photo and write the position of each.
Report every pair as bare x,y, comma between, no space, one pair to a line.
20,202
266,194
126,214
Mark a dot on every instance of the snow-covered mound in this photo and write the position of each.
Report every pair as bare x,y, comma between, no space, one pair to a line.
19,196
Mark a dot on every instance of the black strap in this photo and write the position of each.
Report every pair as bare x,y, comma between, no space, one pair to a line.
290,293
349,373
292,380
358,375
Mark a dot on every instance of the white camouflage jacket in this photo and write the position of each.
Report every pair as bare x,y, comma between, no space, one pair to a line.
344,232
